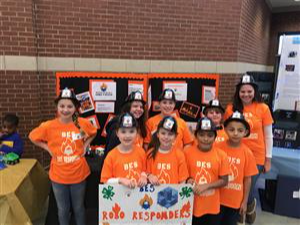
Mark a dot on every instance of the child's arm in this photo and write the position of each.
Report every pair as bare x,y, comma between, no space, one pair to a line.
143,180
153,179
221,182
87,142
42,145
247,185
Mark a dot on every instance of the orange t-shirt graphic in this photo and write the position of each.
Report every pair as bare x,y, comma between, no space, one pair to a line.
183,137
258,115
206,167
68,166
124,165
170,167
242,164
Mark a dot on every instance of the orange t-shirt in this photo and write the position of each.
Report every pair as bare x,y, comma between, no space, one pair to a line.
129,165
183,137
65,142
258,115
221,136
170,167
139,141
242,164
206,167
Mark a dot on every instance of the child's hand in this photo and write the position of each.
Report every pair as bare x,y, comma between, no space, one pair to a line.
153,179
243,208
200,188
128,183
142,181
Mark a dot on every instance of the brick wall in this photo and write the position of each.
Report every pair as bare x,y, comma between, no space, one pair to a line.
203,30
17,28
132,29
254,32
282,22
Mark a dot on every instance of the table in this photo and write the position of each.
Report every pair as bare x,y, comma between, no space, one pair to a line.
285,162
24,189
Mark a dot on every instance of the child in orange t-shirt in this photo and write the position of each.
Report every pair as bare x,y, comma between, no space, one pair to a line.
215,112
167,103
209,169
165,163
66,139
126,163
247,100
234,196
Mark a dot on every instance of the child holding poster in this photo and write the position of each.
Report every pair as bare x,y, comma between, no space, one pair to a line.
208,168
234,196
126,163
165,162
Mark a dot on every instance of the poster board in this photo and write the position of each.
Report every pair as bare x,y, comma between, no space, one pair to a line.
287,91
101,95
159,205
193,92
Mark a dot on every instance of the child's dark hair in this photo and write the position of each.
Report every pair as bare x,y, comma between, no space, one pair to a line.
141,121
154,143
237,104
12,119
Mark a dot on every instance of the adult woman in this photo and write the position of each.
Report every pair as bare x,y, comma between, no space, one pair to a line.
66,138
167,102
247,100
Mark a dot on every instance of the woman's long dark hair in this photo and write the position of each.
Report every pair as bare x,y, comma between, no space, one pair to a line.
237,104
141,121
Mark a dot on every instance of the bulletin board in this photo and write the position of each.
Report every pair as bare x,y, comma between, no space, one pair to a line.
101,95
193,92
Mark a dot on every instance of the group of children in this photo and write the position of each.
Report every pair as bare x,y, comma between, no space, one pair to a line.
220,173
215,160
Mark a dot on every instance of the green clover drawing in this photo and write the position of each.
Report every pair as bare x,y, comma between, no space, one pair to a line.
185,192
108,192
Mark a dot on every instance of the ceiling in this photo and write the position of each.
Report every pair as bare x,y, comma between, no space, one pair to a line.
284,5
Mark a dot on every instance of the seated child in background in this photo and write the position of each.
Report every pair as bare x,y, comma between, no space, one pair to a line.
10,140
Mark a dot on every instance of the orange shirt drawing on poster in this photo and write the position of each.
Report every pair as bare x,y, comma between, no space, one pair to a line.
184,136
258,115
129,165
68,165
170,167
206,167
242,164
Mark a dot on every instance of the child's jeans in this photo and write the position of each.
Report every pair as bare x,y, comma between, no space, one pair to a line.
253,183
67,195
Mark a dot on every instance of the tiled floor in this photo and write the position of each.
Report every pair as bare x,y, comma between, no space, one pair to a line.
263,218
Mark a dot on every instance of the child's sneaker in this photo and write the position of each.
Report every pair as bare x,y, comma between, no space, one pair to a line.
251,212
250,218
251,207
